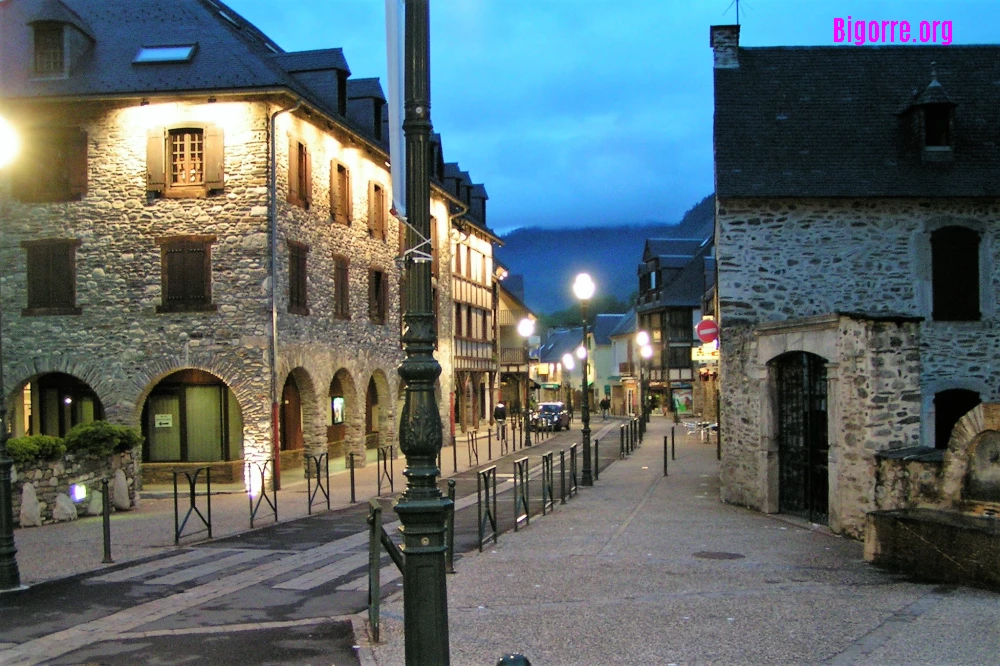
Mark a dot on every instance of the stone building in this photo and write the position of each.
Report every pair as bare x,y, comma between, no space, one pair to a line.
856,241
197,237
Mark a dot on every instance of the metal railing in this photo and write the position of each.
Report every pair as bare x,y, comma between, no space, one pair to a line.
486,504
271,499
321,465
472,447
548,484
521,492
193,510
574,483
385,467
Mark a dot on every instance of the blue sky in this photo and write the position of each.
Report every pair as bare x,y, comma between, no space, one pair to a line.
585,112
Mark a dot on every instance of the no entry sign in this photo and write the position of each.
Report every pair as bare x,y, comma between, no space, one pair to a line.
707,331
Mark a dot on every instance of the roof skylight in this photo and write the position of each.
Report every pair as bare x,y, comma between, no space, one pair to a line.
161,54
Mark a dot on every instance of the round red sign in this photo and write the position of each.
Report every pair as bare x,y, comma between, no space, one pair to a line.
707,331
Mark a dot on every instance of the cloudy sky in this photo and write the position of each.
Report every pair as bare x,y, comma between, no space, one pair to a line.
586,112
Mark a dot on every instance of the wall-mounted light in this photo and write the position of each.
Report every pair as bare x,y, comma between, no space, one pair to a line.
68,400
78,492
10,143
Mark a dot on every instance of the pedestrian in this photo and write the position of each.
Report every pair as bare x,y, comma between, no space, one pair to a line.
605,406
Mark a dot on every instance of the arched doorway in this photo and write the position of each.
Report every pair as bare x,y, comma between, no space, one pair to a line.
52,404
803,443
291,416
342,405
192,416
949,407
371,415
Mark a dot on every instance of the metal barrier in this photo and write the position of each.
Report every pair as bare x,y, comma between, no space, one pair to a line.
521,492
321,463
665,457
377,537
548,484
350,457
486,504
574,482
263,495
621,444
193,509
385,467
489,444
449,526
472,445
106,521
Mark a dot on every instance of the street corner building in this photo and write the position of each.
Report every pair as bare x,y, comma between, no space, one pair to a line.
198,239
857,250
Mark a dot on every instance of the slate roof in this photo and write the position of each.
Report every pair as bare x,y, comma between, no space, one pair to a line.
310,61
358,88
822,121
559,342
604,324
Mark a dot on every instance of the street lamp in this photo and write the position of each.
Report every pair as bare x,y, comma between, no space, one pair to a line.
526,328
646,351
10,575
583,288
421,508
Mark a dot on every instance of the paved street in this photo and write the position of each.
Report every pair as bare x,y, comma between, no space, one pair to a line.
285,593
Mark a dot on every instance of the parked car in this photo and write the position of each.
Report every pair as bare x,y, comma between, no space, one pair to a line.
552,414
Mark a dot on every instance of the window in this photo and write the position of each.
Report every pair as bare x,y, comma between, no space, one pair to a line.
51,277
679,357
53,167
378,296
949,407
185,161
376,211
186,274
297,301
955,274
299,174
50,52
679,325
341,288
936,125
458,320
341,203
163,54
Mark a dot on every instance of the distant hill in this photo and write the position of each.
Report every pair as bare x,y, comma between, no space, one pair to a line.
549,259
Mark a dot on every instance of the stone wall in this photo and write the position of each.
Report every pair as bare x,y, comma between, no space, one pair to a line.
53,477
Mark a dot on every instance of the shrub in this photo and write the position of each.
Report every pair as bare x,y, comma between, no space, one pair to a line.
100,439
26,450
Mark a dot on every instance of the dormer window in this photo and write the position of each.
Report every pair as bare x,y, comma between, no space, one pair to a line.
50,50
937,119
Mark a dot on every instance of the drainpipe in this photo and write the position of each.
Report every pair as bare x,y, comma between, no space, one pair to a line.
272,194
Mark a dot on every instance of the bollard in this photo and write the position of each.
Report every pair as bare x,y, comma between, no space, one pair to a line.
597,459
621,441
562,477
353,499
449,555
106,516
665,455
514,660
673,450
489,445
454,454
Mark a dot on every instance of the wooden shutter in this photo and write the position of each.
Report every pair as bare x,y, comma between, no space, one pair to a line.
342,305
62,294
76,163
348,196
215,151
371,296
334,191
38,277
384,298
294,196
155,168
371,209
307,194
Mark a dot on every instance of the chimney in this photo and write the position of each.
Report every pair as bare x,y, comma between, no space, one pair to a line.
725,41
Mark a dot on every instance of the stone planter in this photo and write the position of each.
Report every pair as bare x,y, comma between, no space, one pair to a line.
51,478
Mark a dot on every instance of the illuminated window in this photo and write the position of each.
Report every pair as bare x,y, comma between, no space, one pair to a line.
187,157
185,160
164,54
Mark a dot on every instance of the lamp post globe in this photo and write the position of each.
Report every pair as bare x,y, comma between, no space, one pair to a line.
526,328
583,289
642,339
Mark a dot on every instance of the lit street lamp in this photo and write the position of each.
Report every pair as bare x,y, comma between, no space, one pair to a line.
646,351
10,575
642,340
526,328
583,288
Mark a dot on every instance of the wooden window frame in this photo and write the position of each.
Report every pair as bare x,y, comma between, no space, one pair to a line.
377,213
192,304
159,159
341,194
341,287
54,168
299,173
40,304
298,278
378,296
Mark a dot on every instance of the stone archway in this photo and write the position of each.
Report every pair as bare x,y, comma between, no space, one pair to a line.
52,403
343,415
299,429
378,411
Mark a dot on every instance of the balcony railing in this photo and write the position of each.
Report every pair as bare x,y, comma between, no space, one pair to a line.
512,356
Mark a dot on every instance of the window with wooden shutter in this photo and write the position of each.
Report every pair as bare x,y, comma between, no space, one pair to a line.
378,294
341,204
299,174
297,301
185,161
341,288
955,274
53,168
51,277
376,211
186,274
